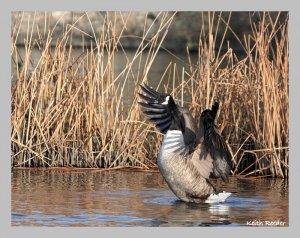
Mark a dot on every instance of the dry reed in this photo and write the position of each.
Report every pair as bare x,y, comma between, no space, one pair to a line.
69,111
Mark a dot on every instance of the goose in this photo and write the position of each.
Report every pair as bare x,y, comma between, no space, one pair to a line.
189,154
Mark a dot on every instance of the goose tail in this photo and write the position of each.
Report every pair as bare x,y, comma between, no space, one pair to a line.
219,197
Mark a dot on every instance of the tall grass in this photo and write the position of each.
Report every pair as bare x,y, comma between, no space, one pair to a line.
71,111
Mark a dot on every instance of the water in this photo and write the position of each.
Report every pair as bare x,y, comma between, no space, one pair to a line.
121,198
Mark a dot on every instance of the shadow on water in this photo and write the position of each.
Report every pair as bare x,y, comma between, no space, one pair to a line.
119,198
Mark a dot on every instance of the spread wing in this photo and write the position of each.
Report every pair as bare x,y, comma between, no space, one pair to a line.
214,144
218,150
160,109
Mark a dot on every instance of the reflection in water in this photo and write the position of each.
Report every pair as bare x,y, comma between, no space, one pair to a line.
119,198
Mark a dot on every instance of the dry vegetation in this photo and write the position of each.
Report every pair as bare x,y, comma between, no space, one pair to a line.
69,111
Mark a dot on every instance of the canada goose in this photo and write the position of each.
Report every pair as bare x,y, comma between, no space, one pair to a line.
188,154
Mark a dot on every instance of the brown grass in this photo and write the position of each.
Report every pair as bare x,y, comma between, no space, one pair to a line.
71,112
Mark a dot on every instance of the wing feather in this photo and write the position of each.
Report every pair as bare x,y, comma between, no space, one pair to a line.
159,108
214,144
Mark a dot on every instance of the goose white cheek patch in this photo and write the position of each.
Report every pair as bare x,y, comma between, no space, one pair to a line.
166,101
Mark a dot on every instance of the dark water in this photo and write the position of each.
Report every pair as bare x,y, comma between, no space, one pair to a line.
119,198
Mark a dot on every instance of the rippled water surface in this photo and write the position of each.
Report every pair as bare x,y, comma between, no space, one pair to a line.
120,198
